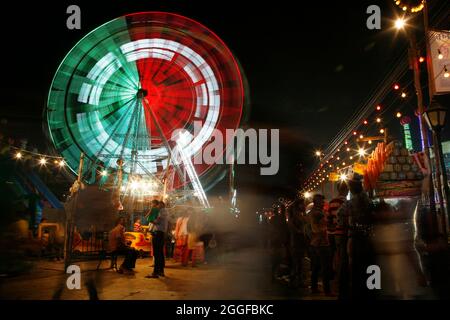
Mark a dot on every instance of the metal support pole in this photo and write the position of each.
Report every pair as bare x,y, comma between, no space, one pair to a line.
441,177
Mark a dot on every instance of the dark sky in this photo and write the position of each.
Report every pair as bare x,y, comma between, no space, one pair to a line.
308,67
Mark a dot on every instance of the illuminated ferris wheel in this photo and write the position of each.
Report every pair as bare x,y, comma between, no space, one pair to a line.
122,95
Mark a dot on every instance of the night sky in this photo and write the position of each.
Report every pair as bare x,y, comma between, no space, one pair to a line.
308,68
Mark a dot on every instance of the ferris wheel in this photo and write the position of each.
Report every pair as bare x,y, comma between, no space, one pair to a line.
122,94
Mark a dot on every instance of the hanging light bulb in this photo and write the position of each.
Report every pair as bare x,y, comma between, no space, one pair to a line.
398,114
361,152
361,136
446,74
370,141
378,107
381,130
348,149
42,161
396,86
61,163
440,55
18,155
378,120
421,59
365,122
355,133
403,94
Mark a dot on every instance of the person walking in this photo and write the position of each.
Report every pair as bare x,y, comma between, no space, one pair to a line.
320,245
158,239
298,244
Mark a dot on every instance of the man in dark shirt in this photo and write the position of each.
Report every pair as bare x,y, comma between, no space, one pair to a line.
158,239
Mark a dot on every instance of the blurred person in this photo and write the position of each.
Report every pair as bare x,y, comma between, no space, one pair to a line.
194,229
298,243
279,240
337,235
118,245
355,215
181,235
137,225
320,247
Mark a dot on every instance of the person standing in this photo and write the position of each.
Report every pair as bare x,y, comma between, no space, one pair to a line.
337,235
320,245
158,239
296,226
356,216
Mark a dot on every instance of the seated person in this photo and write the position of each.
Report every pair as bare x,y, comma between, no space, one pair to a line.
118,246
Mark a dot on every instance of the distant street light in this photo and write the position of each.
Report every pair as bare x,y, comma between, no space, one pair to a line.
400,23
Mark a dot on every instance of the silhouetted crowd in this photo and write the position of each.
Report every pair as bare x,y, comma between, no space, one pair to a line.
333,236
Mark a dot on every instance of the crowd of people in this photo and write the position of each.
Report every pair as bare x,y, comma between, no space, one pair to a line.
333,235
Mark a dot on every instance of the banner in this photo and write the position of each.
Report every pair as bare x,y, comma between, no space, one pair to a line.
439,44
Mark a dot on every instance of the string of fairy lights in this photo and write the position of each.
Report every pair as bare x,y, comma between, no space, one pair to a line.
45,160
350,148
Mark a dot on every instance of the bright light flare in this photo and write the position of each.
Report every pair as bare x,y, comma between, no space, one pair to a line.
42,161
400,23
361,152
343,177
18,155
307,195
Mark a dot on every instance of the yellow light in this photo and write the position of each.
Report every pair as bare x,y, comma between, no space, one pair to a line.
42,161
18,155
361,136
348,149
351,157
361,152
440,55
400,23
318,153
421,59
343,177
62,163
403,94
398,115
381,130
446,74
378,120
104,173
370,141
